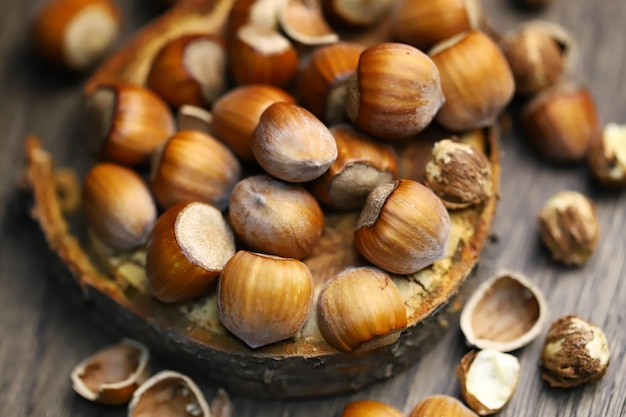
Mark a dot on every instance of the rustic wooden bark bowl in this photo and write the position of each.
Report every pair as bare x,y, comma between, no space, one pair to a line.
305,365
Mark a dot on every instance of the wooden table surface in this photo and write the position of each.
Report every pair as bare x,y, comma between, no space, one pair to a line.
44,330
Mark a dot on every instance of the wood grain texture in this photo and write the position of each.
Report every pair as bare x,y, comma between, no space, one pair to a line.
44,330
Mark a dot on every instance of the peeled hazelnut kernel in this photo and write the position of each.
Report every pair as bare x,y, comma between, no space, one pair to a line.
187,249
323,81
607,157
236,114
488,379
275,217
263,299
425,23
118,206
75,33
575,352
129,121
193,166
111,375
168,393
303,22
395,91
404,227
569,227
459,174
361,309
370,408
441,405
562,122
291,144
476,80
355,13
362,164
189,69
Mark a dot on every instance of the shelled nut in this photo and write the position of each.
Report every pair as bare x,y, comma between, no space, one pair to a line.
128,122
370,408
356,13
607,157
459,174
395,91
263,299
575,352
275,217
362,164
441,405
118,206
569,227
193,166
75,34
562,122
476,80
303,22
187,249
291,144
236,114
190,69
403,227
360,310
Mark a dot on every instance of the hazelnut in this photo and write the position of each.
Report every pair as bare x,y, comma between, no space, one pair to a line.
395,91
168,393
263,299
403,227
362,164
356,13
118,206
263,13
426,23
195,118
441,405
575,352
459,174
74,34
607,157
275,217
236,114
193,166
303,22
130,122
370,408
562,122
189,69
291,144
187,250
361,309
476,80
488,379
569,227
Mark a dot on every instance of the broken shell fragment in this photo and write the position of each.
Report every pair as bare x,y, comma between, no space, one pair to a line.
168,393
505,313
488,379
111,375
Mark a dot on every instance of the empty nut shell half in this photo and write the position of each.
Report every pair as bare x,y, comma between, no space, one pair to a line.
112,375
505,313
171,394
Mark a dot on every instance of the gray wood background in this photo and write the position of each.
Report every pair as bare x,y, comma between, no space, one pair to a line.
44,330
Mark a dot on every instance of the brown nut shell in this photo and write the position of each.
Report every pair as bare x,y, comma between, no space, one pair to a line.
370,408
304,22
355,13
111,375
441,405
505,313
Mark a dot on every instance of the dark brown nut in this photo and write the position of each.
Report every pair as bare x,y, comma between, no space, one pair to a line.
607,157
533,4
193,166
187,249
404,227
476,79
360,310
370,408
562,122
263,299
275,217
459,174
575,352
118,206
129,121
569,227
395,91
189,70
75,34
